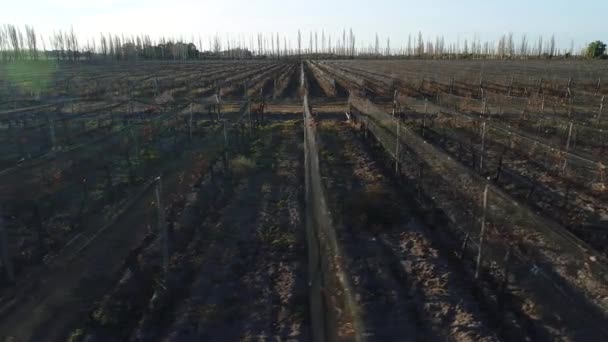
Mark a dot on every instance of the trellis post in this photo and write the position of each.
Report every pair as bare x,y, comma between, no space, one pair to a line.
483,146
482,231
567,147
426,102
397,143
190,122
599,113
162,226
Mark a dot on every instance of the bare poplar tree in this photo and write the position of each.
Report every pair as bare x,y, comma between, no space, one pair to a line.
299,43
502,47
217,45
409,45
510,45
523,47
278,45
73,43
3,42
552,46
344,42
377,46
31,42
118,51
310,47
13,39
322,41
271,44
21,43
352,43
44,50
420,48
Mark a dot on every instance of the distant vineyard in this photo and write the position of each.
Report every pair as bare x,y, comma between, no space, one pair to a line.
303,199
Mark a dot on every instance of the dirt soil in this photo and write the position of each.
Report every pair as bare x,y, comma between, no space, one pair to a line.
51,300
403,285
241,275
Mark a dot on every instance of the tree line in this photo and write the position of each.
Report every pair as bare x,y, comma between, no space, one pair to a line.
27,44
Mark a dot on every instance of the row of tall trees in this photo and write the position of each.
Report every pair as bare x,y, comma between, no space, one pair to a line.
506,47
64,45
27,44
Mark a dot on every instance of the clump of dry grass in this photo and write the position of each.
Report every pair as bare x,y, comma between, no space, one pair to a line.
240,166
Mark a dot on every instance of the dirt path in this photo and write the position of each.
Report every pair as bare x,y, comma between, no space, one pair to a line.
238,268
403,285
251,284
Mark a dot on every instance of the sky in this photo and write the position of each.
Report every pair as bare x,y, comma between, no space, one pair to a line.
580,21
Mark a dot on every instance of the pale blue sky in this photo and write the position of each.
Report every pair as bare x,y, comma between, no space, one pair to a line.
581,21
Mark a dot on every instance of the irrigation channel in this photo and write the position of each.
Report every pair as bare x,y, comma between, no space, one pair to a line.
291,208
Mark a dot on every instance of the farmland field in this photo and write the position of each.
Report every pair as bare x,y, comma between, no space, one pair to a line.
304,200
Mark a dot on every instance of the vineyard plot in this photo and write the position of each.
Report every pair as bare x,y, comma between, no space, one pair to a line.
316,200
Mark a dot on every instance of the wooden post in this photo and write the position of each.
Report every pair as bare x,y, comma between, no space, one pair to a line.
394,102
499,168
483,146
597,88
397,145
6,257
599,113
542,105
568,91
567,147
424,117
463,248
482,231
162,226
225,146
190,122
219,105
